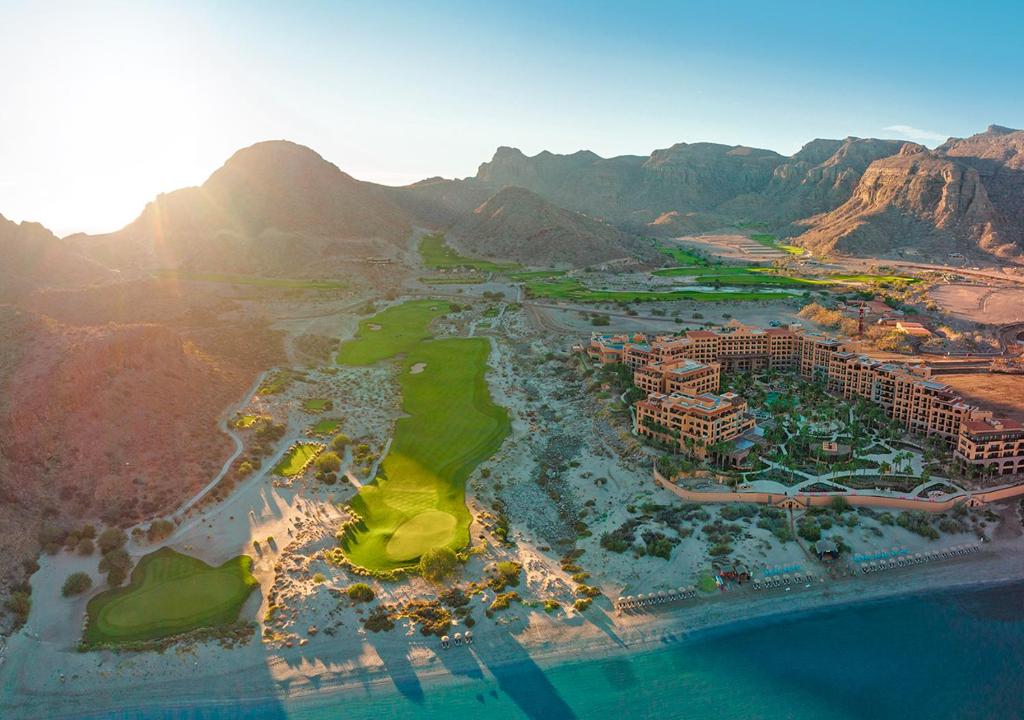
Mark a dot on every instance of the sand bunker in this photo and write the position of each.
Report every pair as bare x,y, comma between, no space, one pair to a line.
418,368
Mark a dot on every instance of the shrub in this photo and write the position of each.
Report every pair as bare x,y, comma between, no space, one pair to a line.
328,462
839,504
551,606
19,603
319,578
76,584
111,539
116,564
360,592
502,601
159,529
437,563
582,604
379,619
85,547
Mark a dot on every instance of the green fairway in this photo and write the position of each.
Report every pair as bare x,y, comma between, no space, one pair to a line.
757,275
572,289
417,501
229,279
437,255
169,594
296,458
396,330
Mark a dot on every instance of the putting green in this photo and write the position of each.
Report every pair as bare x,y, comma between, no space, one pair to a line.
427,530
170,593
417,501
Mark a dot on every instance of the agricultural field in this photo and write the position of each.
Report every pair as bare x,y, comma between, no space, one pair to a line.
417,500
296,458
169,594
438,255
395,330
572,289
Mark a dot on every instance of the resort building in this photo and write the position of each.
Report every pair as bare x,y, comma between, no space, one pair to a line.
906,393
681,373
994,447
696,423
678,376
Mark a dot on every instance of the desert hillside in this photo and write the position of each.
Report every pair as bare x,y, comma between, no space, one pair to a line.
273,207
519,225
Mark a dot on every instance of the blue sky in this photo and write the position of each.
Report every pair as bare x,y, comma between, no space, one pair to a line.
106,104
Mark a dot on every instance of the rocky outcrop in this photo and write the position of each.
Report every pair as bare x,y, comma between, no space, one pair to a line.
937,199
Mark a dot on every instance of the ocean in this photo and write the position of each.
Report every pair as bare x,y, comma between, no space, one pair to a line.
954,654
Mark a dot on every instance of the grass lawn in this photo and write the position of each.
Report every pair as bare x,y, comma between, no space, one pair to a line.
327,426
396,330
229,279
170,593
436,254
315,405
451,425
572,289
296,458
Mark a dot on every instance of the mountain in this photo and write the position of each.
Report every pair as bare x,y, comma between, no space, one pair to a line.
517,224
271,207
966,195
34,257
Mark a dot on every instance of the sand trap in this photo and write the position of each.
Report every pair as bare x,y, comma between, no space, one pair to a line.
374,326
417,368
419,533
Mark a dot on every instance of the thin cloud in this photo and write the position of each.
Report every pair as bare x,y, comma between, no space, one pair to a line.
916,133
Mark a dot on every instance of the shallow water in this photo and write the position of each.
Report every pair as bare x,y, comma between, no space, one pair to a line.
947,655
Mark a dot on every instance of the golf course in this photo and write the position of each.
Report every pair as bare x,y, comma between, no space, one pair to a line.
417,501
169,594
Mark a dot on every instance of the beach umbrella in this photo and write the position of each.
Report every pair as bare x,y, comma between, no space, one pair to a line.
661,596
682,591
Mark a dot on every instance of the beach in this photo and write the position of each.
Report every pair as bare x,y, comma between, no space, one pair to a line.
110,685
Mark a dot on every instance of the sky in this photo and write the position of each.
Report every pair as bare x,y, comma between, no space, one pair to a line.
103,105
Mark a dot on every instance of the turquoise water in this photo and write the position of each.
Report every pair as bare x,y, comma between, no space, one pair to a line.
951,655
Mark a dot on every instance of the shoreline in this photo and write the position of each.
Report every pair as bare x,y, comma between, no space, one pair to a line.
556,645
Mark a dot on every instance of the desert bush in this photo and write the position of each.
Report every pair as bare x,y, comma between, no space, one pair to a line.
438,563
76,584
360,592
